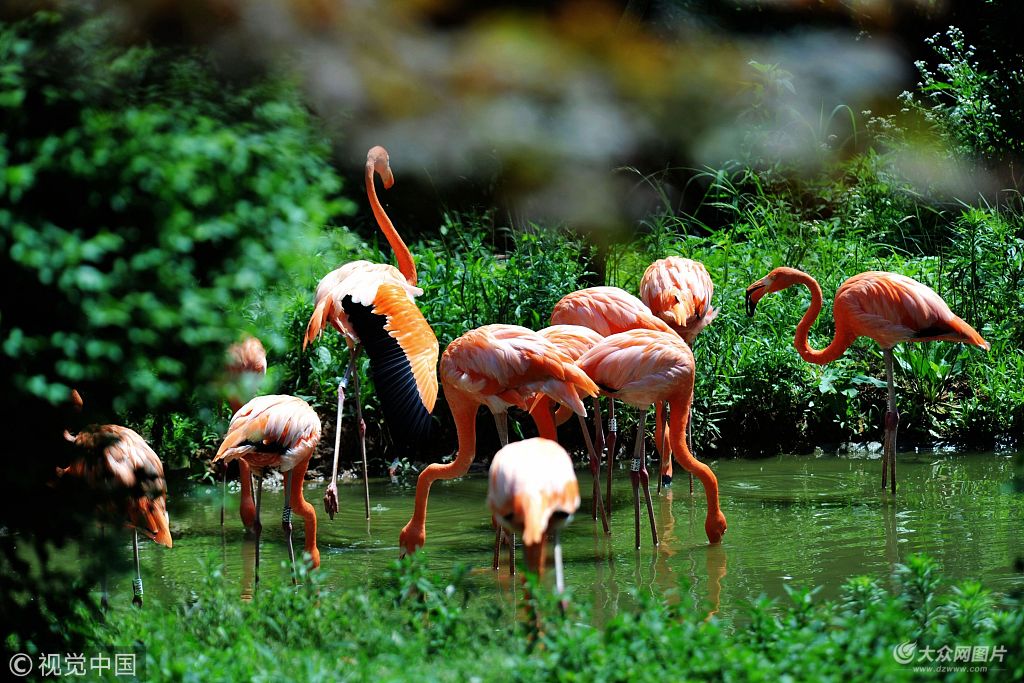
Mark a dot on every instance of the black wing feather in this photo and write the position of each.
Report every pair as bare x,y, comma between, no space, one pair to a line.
407,418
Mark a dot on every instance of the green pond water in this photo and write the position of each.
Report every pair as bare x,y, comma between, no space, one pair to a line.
804,521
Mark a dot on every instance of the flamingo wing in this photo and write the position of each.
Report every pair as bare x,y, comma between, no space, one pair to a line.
358,281
403,353
606,310
892,308
513,363
638,366
272,430
572,340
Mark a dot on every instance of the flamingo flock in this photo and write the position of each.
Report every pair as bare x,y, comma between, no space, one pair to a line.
603,342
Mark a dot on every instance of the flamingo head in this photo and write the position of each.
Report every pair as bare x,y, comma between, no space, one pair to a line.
714,526
775,281
411,539
377,159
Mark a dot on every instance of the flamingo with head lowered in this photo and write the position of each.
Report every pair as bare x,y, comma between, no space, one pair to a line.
498,366
371,305
887,307
119,462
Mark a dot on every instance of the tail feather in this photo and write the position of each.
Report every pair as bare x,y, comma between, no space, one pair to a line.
319,320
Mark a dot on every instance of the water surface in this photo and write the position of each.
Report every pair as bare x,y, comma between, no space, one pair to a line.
799,520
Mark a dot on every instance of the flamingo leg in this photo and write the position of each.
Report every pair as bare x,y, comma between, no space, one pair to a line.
257,525
497,544
104,595
645,483
246,506
223,491
559,572
892,421
613,429
634,476
595,471
137,582
661,444
501,424
511,554
362,442
286,519
331,494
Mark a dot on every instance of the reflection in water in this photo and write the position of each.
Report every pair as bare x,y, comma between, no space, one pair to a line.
805,521
716,572
250,567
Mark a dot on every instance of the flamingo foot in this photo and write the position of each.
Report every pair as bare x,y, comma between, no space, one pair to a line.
331,499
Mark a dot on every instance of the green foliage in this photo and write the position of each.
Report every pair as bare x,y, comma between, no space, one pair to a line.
144,198
959,97
412,625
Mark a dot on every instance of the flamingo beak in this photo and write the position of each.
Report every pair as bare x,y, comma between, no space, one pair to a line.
754,294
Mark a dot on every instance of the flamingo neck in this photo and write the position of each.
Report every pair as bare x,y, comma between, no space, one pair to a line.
840,342
544,419
402,253
464,410
679,415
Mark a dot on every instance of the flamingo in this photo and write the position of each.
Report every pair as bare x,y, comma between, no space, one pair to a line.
642,367
247,362
117,460
371,305
277,431
678,290
498,366
609,310
532,491
887,307
574,341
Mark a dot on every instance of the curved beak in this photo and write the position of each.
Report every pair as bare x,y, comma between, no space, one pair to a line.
754,294
388,178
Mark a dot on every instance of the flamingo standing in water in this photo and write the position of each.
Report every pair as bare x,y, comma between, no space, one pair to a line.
119,461
247,363
498,366
678,290
642,367
372,305
532,491
887,307
607,311
277,431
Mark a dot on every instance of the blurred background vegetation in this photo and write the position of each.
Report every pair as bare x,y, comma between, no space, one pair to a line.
173,174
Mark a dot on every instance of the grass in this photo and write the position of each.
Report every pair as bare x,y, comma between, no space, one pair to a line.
412,625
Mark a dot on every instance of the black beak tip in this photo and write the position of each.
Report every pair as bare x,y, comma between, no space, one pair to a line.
751,305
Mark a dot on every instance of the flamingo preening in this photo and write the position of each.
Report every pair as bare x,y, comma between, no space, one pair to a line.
642,367
887,307
118,461
371,305
277,431
678,290
247,363
607,311
498,366
532,491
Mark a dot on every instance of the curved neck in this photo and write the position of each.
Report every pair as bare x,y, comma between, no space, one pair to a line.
544,418
840,342
678,416
402,253
464,410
